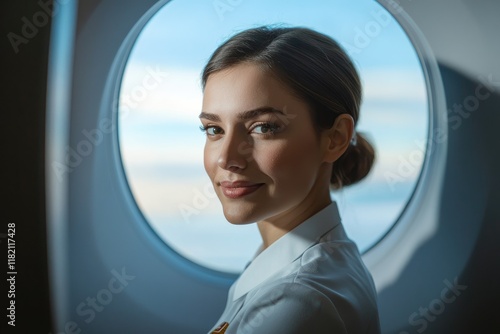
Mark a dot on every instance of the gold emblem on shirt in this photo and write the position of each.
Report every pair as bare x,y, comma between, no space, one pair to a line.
221,329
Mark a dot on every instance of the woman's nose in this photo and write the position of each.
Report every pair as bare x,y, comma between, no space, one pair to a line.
235,153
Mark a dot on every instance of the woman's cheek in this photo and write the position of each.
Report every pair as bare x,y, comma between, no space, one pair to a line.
288,161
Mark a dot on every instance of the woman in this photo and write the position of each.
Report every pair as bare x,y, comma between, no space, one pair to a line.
280,107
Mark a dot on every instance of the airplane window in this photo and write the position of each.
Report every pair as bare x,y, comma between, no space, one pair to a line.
162,147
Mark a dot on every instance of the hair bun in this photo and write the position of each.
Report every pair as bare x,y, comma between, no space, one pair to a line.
354,164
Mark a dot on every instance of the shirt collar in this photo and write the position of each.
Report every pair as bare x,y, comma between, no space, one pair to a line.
286,249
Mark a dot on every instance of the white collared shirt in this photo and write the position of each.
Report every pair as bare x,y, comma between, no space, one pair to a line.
311,280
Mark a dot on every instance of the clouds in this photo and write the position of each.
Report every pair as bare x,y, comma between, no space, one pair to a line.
161,131
394,85
177,98
162,148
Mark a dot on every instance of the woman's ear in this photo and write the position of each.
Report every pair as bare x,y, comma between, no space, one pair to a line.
338,137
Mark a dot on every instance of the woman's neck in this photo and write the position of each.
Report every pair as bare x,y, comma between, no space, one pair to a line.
273,228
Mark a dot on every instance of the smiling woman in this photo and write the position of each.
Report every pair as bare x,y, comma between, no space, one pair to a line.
282,179
162,150
279,161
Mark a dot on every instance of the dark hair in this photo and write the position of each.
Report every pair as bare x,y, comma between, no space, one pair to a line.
318,70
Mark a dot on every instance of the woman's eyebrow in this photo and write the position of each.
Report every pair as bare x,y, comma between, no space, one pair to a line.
210,117
244,115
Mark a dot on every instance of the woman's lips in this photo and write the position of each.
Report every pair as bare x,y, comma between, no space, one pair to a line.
238,189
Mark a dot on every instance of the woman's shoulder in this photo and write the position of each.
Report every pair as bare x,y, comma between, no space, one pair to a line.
336,270
326,289
334,256
333,268
293,306
290,307
334,259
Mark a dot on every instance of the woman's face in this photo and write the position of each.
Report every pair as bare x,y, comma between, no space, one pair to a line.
262,153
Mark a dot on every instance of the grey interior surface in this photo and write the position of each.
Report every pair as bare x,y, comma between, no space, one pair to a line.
447,234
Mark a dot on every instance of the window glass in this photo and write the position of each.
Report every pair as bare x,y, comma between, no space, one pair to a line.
162,147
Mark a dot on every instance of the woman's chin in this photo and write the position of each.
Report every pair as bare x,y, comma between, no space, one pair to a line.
239,215
238,220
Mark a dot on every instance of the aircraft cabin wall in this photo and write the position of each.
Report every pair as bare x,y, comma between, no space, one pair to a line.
436,271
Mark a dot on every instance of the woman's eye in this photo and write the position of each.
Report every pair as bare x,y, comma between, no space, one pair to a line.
211,130
266,128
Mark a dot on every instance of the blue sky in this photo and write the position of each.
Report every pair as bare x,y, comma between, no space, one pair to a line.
196,29
162,147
